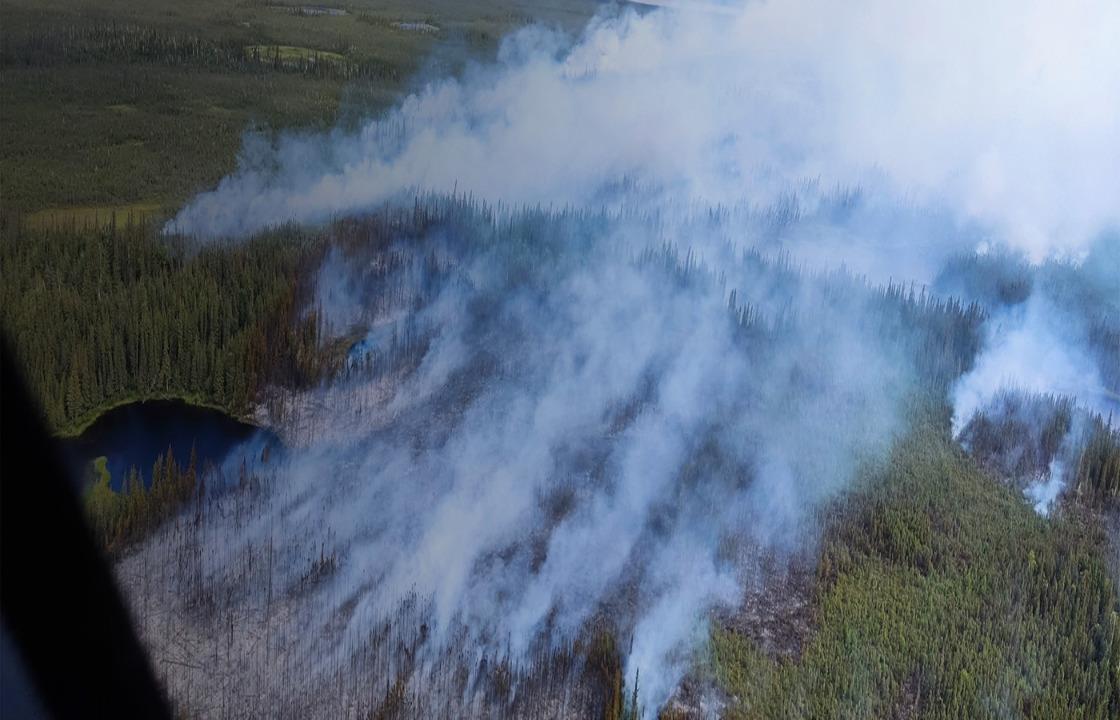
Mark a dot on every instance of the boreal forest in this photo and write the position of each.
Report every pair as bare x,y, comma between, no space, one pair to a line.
620,360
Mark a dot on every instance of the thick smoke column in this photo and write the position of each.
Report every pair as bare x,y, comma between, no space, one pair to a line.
1004,113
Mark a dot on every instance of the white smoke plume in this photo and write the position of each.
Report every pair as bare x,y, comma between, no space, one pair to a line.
608,443
1029,351
1004,113
1053,332
571,473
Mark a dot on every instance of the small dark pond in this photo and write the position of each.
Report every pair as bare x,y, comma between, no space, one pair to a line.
137,434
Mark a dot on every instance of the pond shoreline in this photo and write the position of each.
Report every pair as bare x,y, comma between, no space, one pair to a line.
74,431
137,435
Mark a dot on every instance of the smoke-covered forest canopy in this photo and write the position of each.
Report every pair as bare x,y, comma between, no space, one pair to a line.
739,360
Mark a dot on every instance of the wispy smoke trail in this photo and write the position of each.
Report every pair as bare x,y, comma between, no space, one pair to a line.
1054,332
1030,349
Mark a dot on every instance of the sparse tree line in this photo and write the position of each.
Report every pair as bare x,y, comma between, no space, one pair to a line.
216,629
1086,293
136,44
1098,468
144,501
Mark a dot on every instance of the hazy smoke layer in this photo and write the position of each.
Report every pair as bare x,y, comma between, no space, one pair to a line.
587,430
1054,330
609,430
1004,113
537,451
